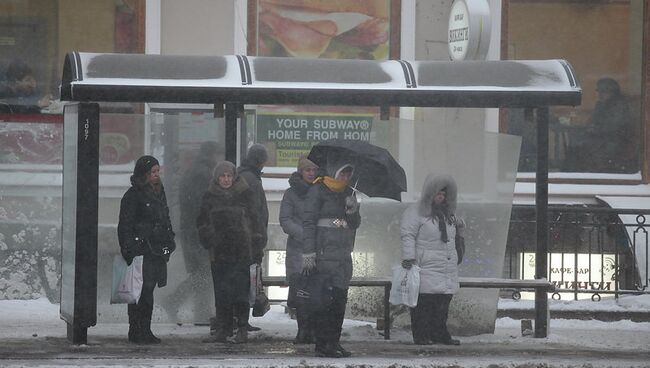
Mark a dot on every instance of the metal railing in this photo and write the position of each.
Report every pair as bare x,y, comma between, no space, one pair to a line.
592,250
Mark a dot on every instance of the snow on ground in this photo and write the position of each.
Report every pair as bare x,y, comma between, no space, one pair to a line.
35,325
625,303
25,318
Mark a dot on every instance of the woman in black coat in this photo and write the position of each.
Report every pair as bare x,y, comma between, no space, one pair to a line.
331,219
292,215
144,229
228,227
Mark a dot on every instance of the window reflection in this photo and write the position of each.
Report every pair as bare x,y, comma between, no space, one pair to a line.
602,134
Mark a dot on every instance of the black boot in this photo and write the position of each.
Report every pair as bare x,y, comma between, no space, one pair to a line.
340,349
135,332
147,336
220,336
327,350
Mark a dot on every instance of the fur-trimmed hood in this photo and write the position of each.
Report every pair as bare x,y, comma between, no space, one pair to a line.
432,185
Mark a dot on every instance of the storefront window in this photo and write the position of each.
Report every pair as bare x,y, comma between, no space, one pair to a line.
35,35
603,42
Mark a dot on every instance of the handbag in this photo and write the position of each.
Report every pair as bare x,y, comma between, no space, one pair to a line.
460,246
127,280
257,297
314,292
405,287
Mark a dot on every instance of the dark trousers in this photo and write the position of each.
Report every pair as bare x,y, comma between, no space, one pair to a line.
429,318
231,286
329,322
142,311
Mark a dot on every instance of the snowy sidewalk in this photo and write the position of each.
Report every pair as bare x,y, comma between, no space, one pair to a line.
32,335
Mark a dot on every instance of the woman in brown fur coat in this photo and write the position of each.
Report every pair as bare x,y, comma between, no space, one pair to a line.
228,226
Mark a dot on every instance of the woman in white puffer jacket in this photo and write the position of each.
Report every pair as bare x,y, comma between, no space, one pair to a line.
428,232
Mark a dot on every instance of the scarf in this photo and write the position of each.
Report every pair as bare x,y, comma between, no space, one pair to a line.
439,212
334,185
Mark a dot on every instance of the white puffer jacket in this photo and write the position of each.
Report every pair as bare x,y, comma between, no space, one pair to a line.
421,239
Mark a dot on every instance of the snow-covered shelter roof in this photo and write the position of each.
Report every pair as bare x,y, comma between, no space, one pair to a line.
267,80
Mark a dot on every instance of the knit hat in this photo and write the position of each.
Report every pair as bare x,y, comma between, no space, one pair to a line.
223,167
257,155
143,165
305,163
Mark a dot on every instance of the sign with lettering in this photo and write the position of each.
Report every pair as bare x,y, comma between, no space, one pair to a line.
293,135
590,272
469,30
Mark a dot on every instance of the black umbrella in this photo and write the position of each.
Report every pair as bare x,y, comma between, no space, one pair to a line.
376,173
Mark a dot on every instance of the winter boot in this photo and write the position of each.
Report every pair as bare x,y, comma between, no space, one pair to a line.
327,350
135,332
242,335
219,336
147,336
213,326
340,349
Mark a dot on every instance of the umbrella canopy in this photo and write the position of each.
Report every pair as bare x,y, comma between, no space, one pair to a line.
376,173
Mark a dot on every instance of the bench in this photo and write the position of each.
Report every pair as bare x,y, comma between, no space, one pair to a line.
465,282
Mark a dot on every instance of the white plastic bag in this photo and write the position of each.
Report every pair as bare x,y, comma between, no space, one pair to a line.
127,281
406,286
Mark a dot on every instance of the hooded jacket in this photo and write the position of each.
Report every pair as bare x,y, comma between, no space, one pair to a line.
227,222
422,239
292,215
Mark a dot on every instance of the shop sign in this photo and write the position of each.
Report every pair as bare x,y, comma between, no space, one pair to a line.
293,135
591,272
469,30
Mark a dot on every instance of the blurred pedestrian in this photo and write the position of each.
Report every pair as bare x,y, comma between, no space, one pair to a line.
292,215
144,228
428,233
227,226
329,228
193,185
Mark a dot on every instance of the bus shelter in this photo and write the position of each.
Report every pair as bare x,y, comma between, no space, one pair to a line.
230,82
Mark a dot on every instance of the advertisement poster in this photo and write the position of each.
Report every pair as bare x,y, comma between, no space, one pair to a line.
293,134
358,29
361,29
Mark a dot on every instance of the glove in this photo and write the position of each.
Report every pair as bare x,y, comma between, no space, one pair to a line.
127,255
408,263
308,262
351,205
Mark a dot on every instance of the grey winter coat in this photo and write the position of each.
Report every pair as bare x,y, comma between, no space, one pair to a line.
333,245
421,239
292,215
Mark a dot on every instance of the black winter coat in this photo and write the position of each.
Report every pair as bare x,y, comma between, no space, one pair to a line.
333,245
253,176
292,215
144,227
227,224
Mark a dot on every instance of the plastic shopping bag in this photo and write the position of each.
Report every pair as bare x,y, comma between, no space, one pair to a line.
127,281
406,286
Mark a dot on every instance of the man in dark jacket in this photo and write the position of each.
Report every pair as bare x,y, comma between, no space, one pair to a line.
251,171
144,229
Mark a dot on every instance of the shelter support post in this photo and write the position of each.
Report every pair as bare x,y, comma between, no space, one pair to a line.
232,113
80,219
541,202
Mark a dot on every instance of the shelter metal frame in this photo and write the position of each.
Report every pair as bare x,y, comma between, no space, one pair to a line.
230,82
